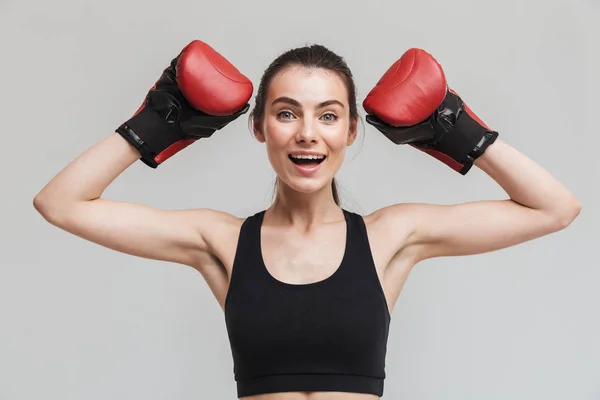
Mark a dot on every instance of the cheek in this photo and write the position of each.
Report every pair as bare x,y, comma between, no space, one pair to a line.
277,138
336,138
278,134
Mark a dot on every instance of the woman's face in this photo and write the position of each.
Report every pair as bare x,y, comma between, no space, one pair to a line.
306,127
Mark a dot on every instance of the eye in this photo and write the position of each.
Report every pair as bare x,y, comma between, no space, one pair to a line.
285,115
329,117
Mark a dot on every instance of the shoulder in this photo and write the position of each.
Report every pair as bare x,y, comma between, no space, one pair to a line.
215,234
214,223
406,216
205,227
219,230
393,230
395,218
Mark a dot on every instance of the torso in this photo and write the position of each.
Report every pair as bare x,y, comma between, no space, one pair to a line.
285,251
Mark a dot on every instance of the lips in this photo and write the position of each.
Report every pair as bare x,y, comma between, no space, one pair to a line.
307,159
307,164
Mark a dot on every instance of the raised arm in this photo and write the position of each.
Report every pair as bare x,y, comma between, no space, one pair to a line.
537,205
72,201
166,123
414,106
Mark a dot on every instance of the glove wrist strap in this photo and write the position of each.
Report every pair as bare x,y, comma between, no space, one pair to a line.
465,142
149,134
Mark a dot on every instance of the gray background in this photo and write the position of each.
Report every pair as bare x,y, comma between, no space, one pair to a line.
79,321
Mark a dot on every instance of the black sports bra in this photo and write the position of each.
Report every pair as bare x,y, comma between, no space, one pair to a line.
329,335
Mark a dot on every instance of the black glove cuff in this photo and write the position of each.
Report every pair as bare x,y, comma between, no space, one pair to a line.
488,139
149,133
467,140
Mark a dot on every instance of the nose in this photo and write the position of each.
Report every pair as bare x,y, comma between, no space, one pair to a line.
307,133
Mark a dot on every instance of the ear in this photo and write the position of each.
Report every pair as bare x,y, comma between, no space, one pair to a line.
352,132
258,131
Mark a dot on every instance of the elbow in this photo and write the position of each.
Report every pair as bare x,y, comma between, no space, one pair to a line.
40,204
567,213
47,208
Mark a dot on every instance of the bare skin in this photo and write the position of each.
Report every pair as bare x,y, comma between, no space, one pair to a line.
304,227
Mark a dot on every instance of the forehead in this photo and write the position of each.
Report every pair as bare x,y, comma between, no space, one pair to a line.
308,84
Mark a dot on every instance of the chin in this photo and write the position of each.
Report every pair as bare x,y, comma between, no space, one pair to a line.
306,185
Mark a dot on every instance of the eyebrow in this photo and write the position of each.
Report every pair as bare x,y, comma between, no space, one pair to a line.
295,103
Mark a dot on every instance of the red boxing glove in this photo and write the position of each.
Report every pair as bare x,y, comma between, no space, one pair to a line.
412,104
199,93
211,83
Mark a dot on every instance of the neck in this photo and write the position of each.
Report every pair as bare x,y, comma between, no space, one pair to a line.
303,209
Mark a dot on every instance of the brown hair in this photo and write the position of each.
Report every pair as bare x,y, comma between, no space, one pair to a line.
310,56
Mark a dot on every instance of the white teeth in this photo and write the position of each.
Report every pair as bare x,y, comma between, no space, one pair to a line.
307,157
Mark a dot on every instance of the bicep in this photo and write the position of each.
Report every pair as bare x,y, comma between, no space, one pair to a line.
135,229
475,227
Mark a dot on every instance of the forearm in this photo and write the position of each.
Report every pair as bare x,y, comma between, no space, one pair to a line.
87,176
527,183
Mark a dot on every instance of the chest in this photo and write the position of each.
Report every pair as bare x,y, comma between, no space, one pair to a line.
303,257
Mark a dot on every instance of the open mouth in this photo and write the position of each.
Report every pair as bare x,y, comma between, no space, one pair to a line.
307,160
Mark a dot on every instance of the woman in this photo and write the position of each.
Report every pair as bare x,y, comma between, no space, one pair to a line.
307,287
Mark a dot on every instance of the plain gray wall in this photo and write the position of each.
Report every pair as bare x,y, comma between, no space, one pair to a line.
79,321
